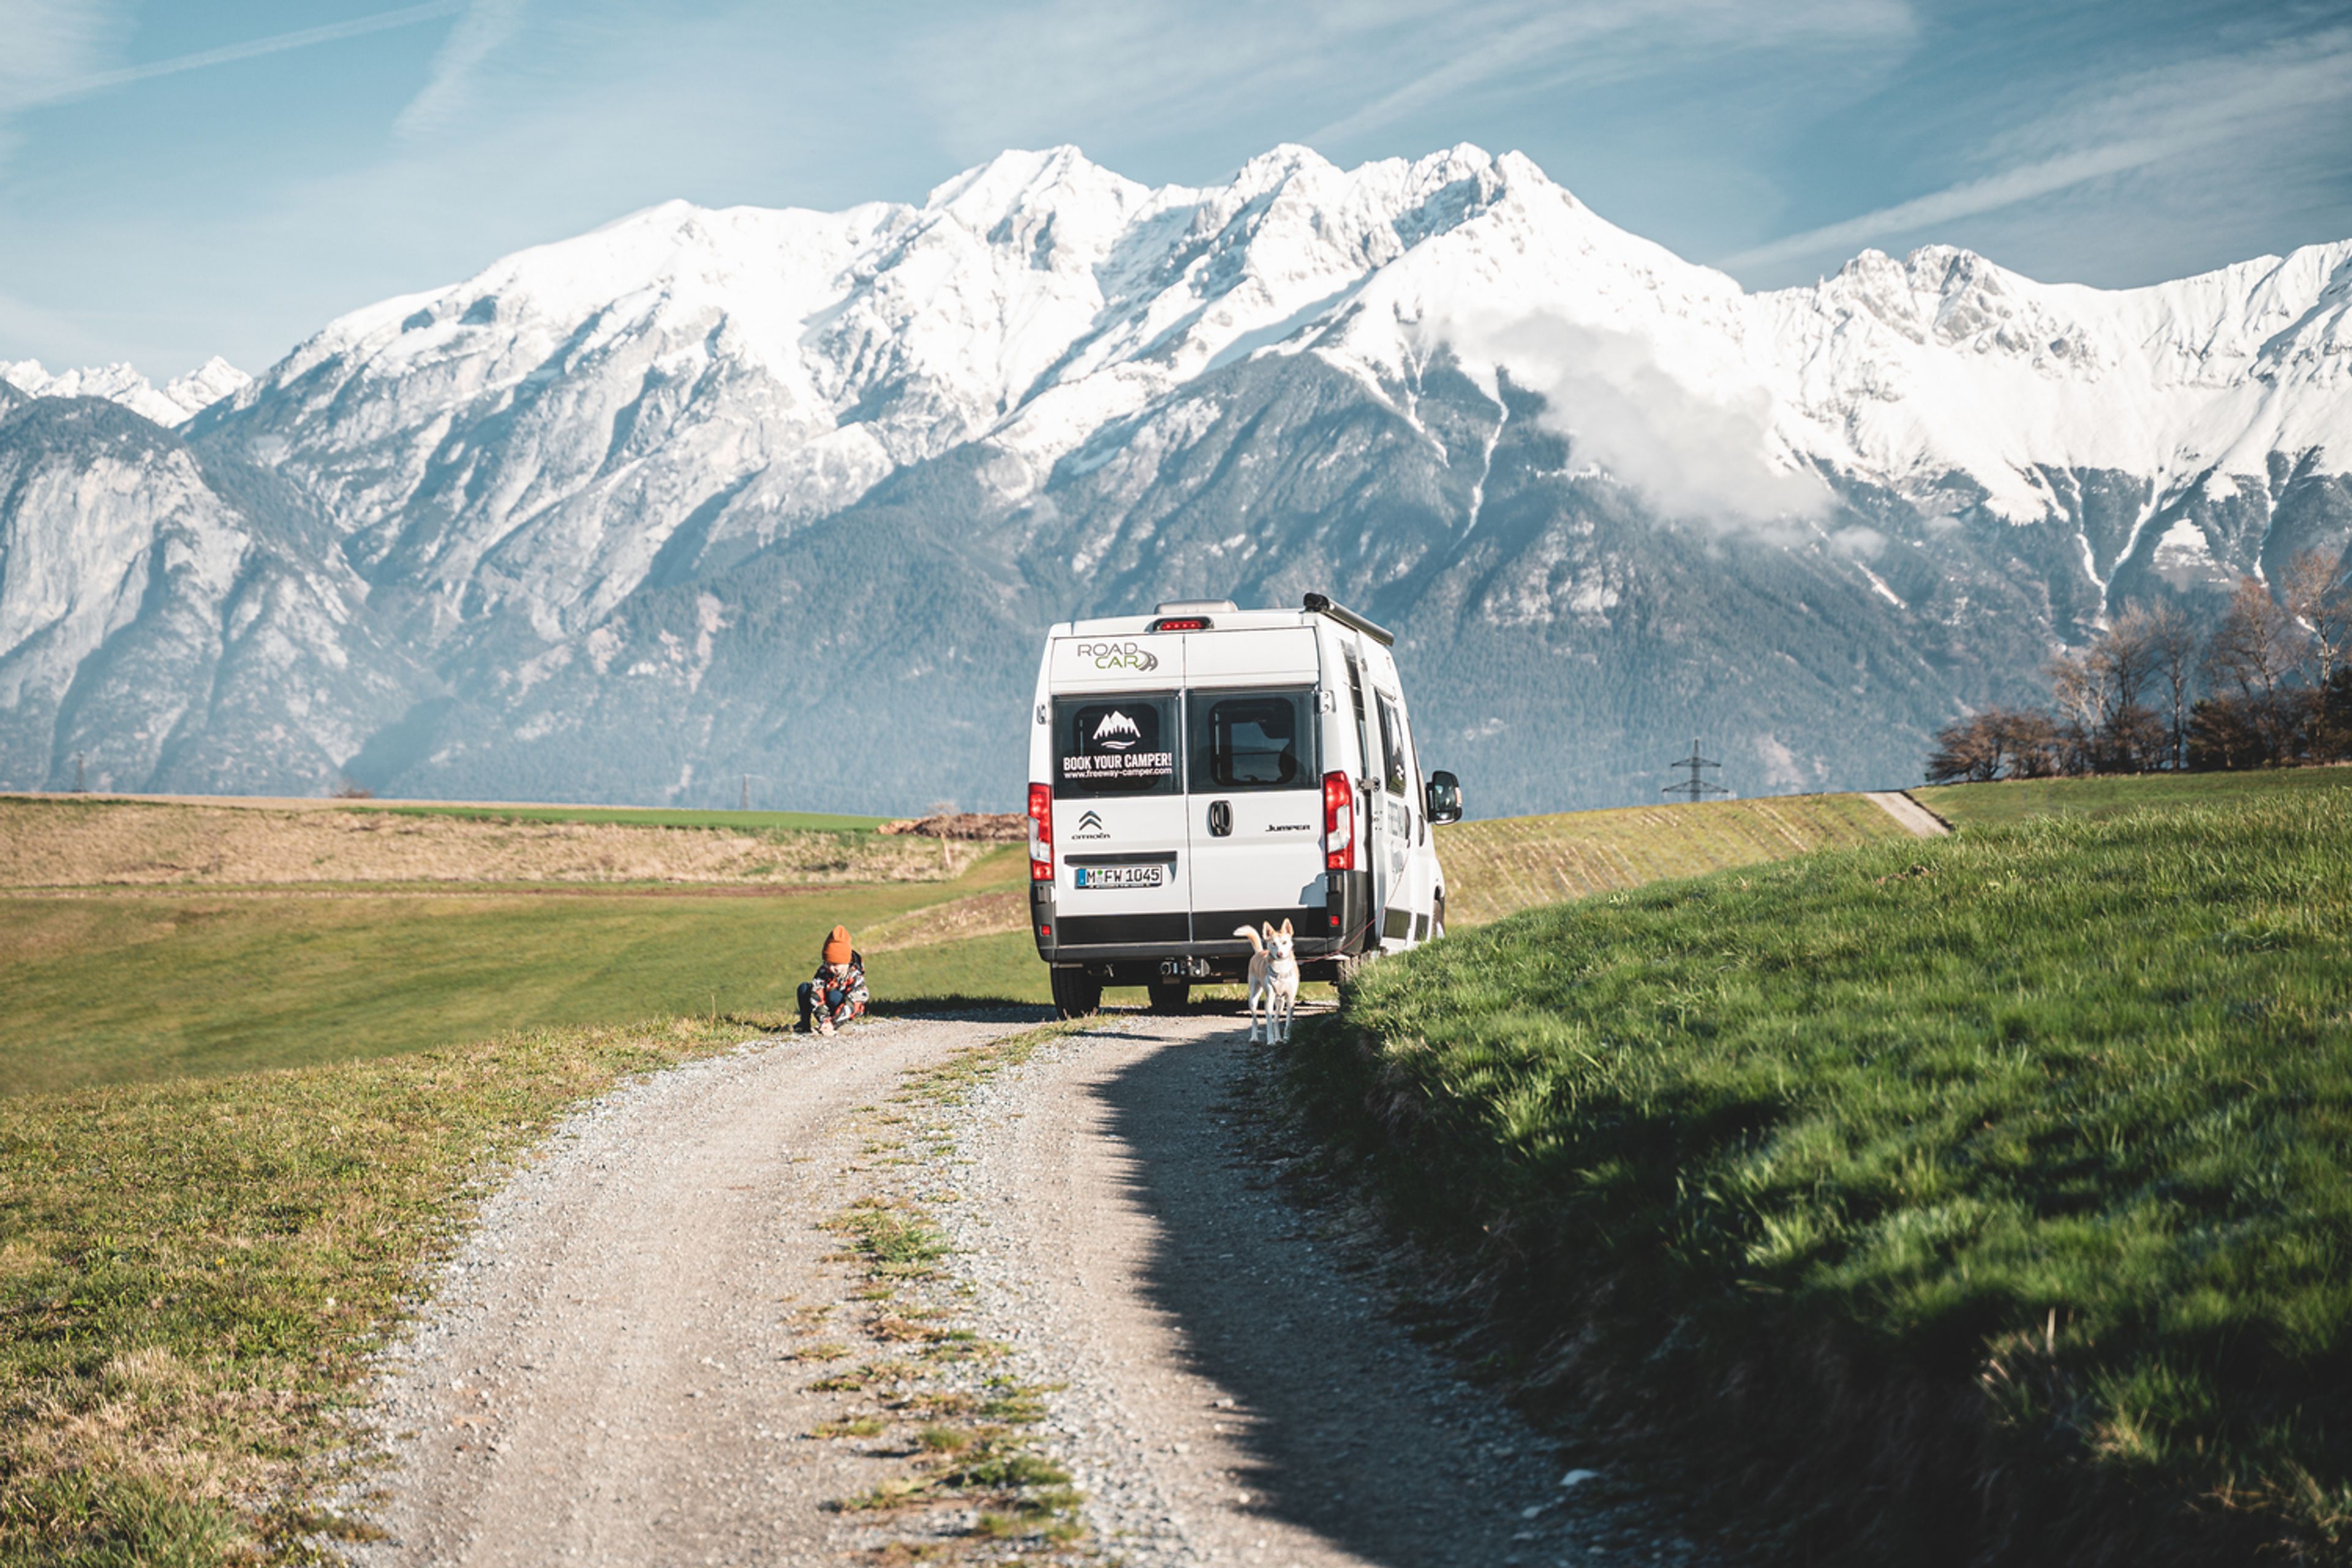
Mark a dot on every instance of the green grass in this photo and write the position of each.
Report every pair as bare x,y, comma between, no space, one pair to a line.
1502,865
1986,1198
649,816
193,1275
235,1128
2017,800
134,986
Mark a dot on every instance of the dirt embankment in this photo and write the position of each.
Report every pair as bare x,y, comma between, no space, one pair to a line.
986,827
49,845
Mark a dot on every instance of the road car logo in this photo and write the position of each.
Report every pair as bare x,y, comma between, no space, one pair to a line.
1118,655
1117,733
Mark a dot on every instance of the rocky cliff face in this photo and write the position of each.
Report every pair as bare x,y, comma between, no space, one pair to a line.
169,618
795,494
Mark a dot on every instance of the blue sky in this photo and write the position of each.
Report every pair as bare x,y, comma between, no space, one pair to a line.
180,179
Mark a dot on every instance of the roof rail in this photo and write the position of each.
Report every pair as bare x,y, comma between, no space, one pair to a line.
1321,604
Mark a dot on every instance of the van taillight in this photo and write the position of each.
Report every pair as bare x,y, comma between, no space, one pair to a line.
1040,833
1339,823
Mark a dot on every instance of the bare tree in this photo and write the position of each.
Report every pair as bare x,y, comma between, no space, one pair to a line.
2257,647
2314,593
1967,749
2079,687
2000,742
2028,739
2257,644
2125,654
2172,645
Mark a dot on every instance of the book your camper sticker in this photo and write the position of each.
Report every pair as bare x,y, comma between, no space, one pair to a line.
1115,750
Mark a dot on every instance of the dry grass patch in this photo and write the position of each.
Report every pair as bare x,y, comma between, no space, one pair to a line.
60,844
984,914
1503,865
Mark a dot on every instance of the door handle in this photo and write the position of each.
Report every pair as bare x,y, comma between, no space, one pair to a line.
1221,818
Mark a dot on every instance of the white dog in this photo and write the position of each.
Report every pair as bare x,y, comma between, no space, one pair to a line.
1273,975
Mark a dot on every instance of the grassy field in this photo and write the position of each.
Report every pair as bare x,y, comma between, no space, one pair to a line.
133,986
160,979
1979,1199
193,1275
253,1057
238,1117
1499,867
2019,800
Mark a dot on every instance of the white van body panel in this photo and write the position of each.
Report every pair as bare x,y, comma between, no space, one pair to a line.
1202,754
1289,656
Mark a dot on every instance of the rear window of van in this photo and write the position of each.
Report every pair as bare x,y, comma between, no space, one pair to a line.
1123,745
1252,740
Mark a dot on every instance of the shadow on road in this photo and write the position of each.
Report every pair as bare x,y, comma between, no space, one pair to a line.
1352,1430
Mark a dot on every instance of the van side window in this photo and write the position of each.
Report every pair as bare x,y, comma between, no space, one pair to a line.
1252,740
1115,745
1393,746
1363,722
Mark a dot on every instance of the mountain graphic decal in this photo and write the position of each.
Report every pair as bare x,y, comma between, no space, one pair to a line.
1117,733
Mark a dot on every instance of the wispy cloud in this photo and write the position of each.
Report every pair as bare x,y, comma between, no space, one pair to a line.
54,86
1553,46
1339,71
48,42
2152,119
486,26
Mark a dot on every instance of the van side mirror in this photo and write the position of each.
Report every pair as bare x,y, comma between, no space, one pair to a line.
1444,797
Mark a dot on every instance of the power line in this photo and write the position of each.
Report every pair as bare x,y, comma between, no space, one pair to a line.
1696,787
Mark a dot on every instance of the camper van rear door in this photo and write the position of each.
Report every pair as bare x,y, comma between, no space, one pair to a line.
1118,819
1252,759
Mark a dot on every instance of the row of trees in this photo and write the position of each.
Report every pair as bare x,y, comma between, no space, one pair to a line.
2272,686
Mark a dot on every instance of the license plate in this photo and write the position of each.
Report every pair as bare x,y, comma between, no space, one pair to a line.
1119,876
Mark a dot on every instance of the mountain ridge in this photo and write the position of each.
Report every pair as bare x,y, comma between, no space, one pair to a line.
1443,388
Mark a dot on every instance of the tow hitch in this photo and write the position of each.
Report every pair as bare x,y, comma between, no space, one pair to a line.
1184,968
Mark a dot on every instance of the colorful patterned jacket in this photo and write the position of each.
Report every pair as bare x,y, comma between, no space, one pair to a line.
840,993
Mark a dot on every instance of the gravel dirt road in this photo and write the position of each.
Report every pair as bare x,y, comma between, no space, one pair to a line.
618,1368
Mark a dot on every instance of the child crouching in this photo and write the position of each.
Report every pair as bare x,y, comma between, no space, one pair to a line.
837,993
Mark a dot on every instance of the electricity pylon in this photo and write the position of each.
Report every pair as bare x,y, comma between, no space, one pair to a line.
1696,787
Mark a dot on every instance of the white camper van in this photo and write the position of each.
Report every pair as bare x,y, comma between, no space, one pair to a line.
1206,767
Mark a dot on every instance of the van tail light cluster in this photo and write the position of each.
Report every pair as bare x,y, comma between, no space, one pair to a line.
1040,833
1339,823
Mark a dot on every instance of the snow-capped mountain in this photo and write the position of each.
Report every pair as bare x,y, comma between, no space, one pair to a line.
647,507
168,405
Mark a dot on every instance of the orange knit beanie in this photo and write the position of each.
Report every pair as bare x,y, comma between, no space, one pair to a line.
837,946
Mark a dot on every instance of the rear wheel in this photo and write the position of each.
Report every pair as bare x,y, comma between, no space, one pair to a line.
1346,969
1170,996
1077,993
